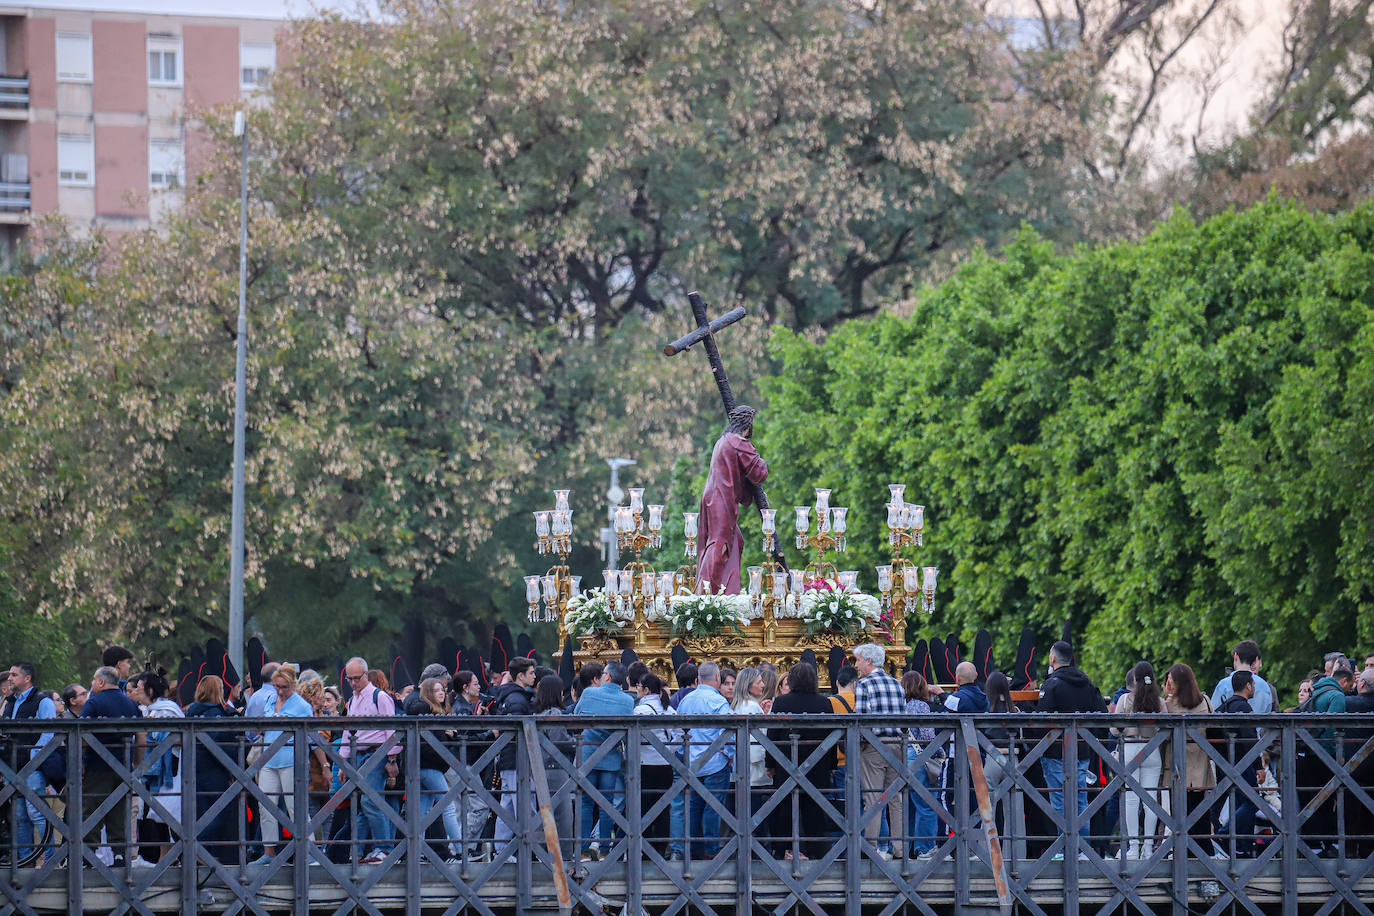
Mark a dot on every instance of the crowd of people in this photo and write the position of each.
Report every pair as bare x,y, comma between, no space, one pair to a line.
679,820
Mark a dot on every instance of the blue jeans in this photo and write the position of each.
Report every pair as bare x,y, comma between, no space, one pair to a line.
920,814
433,785
703,821
29,819
379,827
1053,768
595,819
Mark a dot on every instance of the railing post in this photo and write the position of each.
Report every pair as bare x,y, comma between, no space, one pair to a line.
962,819
1178,814
1289,815
415,835
190,837
744,822
1069,797
300,817
634,814
853,810
544,800
687,806
76,837
523,804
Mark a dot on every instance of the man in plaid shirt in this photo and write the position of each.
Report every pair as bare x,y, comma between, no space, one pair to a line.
878,693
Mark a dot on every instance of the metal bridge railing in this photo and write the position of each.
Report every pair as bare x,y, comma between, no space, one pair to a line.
498,814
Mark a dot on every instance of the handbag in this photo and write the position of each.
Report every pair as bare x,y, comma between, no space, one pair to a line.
935,767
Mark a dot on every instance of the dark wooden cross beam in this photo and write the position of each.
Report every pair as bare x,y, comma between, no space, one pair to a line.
705,332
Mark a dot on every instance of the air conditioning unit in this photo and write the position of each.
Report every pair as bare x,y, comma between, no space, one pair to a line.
14,168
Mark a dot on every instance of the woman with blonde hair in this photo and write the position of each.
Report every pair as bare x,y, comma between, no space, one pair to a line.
311,688
276,778
768,674
749,691
433,784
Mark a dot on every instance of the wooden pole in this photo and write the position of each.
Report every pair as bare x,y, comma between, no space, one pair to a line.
541,794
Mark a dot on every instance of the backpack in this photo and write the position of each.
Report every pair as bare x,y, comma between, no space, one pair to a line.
397,708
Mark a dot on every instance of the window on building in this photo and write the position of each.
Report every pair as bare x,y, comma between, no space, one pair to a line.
75,159
165,163
164,60
257,60
73,57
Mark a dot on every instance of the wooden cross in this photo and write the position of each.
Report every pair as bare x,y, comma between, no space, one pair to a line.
705,333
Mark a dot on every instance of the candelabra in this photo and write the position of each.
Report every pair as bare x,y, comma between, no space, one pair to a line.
553,535
636,586
903,584
831,525
905,522
630,524
770,600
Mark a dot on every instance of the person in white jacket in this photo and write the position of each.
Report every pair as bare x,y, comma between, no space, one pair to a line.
748,701
655,775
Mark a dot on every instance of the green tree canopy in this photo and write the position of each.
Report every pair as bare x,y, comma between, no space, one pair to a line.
1167,442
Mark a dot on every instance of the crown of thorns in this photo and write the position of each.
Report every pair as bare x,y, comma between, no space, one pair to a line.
741,419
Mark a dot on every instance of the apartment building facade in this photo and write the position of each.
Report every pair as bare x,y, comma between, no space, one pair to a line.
99,108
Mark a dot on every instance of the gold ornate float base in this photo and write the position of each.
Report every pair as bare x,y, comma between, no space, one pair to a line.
782,644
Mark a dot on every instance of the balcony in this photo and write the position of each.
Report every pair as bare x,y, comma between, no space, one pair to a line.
14,201
14,97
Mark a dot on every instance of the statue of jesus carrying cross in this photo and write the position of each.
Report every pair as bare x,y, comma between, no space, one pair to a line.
737,472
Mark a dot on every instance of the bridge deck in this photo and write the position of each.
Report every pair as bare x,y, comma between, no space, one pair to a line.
938,889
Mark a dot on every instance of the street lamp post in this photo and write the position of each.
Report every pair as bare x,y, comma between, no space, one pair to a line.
240,411
613,497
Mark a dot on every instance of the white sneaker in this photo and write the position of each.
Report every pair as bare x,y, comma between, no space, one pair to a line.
140,862
375,857
885,854
1146,850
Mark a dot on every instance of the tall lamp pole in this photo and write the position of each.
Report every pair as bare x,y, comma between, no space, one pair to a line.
613,497
240,411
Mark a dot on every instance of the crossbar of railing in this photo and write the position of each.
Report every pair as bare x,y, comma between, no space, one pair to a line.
225,820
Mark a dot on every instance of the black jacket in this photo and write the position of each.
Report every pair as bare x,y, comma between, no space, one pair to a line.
808,739
210,773
430,759
1244,737
1067,690
511,700
1359,702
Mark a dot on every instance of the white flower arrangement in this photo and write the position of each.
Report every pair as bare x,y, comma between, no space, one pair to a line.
705,615
849,612
591,612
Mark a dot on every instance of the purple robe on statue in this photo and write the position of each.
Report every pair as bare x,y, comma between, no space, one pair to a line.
719,540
